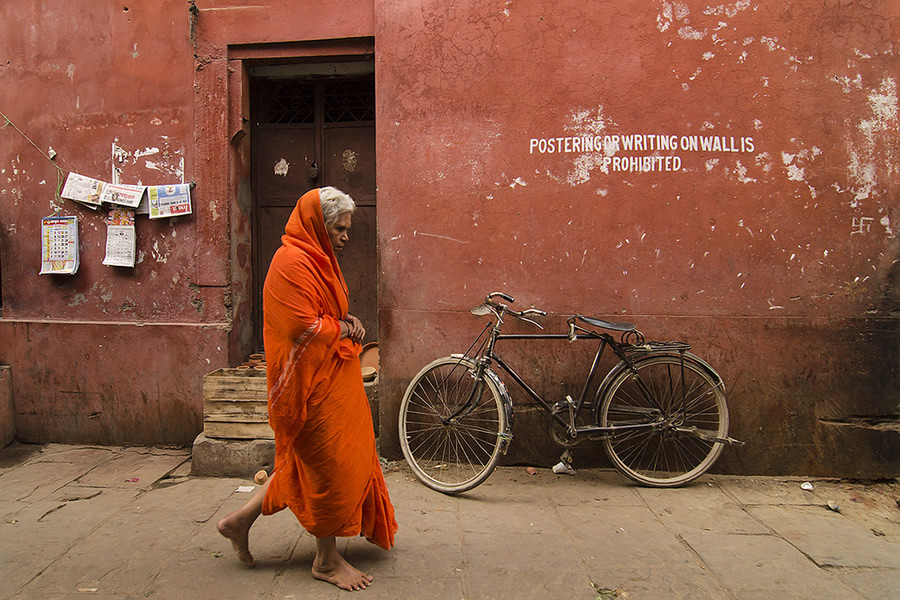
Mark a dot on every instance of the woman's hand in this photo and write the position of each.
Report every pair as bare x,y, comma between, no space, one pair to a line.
352,328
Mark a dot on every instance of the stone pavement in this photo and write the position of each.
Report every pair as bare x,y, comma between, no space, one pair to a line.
99,522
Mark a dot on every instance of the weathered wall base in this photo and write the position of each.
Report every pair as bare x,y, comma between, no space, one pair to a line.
816,397
108,383
7,411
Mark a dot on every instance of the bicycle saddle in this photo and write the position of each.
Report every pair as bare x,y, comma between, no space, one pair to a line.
606,324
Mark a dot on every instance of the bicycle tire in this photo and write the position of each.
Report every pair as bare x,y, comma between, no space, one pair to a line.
664,456
451,457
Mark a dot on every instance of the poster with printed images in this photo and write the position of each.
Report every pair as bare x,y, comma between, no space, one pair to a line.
120,238
59,245
83,189
169,200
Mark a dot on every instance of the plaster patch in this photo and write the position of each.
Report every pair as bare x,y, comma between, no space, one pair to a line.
771,43
349,161
282,167
157,254
689,33
884,104
729,10
876,131
848,85
741,173
145,152
78,299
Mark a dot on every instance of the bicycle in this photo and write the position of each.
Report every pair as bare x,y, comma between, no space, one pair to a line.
660,411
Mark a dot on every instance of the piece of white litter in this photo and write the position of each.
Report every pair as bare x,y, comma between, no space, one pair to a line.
245,489
806,486
563,468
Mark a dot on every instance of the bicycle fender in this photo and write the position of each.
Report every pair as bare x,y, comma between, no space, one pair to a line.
505,398
622,365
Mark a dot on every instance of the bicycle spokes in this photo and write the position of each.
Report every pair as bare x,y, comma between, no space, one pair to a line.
672,417
452,426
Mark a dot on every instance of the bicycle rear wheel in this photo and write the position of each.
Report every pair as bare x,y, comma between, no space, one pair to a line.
674,420
451,456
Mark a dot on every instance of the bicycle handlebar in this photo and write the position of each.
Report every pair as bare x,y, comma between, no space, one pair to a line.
506,297
503,309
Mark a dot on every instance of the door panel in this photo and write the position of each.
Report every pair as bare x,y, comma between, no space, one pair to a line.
283,159
350,160
329,122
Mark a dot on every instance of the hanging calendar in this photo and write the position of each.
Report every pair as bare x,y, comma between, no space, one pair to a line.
59,245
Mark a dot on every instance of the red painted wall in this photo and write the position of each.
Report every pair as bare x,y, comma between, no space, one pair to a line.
773,251
115,355
110,354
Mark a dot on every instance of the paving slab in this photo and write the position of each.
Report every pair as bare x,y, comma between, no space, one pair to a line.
135,468
873,584
828,538
765,566
523,565
630,549
703,507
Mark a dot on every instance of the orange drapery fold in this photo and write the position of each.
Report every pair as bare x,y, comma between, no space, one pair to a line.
326,465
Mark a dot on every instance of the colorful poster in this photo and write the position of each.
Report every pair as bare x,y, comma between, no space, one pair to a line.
169,200
59,245
120,238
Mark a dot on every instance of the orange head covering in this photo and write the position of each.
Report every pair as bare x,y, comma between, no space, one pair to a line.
305,230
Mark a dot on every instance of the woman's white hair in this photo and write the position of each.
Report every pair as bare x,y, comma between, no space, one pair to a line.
334,204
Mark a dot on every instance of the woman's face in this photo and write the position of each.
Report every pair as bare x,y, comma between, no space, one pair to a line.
339,232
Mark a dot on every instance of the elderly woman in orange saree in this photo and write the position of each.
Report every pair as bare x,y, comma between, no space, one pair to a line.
327,470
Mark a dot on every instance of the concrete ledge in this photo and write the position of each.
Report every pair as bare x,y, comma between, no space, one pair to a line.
214,457
7,410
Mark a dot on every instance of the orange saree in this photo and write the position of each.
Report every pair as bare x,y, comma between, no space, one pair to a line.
326,466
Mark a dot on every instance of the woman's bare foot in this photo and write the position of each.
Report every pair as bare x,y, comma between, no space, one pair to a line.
341,573
238,532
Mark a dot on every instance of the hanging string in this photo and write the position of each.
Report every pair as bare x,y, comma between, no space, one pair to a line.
60,173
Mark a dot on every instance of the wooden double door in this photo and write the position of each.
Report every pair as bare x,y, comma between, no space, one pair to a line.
307,132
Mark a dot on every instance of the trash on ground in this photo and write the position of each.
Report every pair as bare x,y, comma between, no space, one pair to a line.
806,486
878,532
608,594
216,554
531,471
563,467
832,505
132,480
261,477
244,489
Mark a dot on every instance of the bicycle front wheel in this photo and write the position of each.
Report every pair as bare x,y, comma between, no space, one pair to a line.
673,417
451,425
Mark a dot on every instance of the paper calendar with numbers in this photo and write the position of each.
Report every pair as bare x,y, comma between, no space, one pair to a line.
59,245
120,238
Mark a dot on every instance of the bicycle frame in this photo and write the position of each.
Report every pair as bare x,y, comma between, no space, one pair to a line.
487,356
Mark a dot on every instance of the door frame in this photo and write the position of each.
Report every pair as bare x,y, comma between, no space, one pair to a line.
221,141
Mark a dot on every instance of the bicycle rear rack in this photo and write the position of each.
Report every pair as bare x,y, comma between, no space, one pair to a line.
654,346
